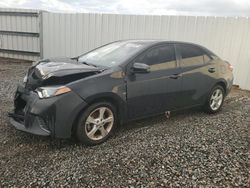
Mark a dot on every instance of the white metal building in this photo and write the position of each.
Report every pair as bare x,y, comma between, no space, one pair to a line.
31,34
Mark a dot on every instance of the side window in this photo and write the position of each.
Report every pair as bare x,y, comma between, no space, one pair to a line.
192,55
159,58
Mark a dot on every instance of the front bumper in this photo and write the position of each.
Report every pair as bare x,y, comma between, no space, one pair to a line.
36,128
47,117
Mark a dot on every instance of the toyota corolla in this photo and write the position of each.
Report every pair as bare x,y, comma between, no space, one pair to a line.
89,95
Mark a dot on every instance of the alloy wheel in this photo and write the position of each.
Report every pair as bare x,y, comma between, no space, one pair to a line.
216,99
99,123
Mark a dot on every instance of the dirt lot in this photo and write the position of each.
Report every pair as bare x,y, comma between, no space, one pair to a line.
190,149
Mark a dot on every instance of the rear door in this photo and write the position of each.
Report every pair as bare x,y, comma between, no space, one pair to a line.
158,90
198,74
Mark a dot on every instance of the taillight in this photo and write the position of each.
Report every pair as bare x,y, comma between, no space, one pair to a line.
230,67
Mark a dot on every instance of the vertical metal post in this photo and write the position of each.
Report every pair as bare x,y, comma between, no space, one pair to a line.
41,33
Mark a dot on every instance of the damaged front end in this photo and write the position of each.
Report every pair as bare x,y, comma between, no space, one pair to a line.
54,112
24,119
58,71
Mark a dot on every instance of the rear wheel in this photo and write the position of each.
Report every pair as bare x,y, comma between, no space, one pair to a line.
215,100
96,123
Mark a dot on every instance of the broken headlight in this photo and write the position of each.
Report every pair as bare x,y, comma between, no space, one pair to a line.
46,92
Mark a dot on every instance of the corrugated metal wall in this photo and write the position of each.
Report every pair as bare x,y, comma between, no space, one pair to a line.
74,34
19,34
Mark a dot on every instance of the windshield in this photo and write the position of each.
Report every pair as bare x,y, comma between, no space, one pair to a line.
112,54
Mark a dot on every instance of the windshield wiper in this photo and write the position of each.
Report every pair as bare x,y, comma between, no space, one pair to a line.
75,58
89,64
83,62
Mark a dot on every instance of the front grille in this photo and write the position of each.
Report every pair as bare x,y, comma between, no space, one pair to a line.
17,117
19,105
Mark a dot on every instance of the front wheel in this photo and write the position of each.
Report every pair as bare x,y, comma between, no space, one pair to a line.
96,123
215,100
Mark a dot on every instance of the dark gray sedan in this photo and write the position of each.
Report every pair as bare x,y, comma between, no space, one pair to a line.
88,96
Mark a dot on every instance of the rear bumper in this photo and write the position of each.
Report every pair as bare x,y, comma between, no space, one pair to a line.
47,117
229,84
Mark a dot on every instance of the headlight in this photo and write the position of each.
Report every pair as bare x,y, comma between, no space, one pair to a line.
46,92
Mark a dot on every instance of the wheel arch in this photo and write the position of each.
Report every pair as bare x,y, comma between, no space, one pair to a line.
112,98
223,84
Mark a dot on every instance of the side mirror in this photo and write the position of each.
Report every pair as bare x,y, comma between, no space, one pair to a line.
140,68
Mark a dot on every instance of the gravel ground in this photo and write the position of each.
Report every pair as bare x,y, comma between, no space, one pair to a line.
191,149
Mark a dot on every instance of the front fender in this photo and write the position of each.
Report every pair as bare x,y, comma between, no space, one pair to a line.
103,87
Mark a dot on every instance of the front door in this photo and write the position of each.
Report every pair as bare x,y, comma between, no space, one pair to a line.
159,89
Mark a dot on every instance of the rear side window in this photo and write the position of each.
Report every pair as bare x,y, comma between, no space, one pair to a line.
192,55
159,58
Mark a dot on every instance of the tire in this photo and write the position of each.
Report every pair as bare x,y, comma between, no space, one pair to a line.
217,98
93,128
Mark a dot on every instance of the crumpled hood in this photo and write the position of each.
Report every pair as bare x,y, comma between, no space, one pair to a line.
61,67
58,71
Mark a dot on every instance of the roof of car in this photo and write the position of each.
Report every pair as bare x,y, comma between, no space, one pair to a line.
151,42
156,41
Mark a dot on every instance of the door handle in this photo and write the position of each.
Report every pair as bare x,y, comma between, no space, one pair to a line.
212,69
175,76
